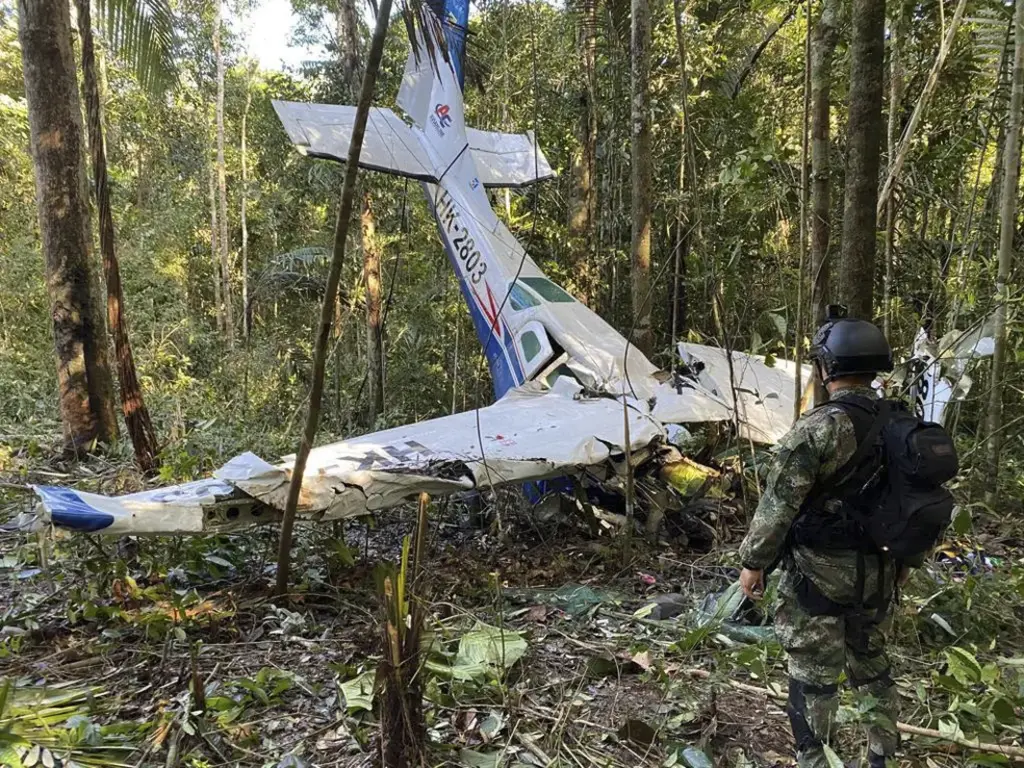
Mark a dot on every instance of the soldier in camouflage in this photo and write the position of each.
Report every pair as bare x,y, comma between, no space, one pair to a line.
822,619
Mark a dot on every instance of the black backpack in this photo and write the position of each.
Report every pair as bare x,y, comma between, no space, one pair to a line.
891,490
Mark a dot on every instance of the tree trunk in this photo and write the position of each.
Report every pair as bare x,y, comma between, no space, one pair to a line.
215,250
1007,221
374,346
349,57
352,72
805,191
136,416
643,337
246,316
687,168
896,161
863,148
55,128
583,214
895,101
823,47
222,184
330,293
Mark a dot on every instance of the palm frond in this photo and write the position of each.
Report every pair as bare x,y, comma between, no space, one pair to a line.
141,34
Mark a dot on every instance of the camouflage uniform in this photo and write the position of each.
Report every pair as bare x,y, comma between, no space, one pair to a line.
821,647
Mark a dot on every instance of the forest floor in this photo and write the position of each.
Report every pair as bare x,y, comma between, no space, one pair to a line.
161,652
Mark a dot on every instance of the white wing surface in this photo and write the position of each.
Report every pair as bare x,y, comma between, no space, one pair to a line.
529,435
325,131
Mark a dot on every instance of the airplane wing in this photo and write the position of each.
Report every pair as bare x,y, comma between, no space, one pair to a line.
531,434
761,394
507,159
391,146
325,130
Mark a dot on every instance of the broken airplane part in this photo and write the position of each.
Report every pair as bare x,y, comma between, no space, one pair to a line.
568,386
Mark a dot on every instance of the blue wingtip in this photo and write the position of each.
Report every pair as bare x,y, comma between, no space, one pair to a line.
69,510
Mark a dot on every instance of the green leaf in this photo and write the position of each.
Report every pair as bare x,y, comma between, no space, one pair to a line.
141,34
963,666
9,756
220,561
484,650
358,692
962,520
832,758
1003,711
471,759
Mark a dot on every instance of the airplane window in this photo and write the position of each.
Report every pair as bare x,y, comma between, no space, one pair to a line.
520,298
531,347
548,290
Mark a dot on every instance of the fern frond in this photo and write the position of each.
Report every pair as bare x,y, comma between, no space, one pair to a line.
141,34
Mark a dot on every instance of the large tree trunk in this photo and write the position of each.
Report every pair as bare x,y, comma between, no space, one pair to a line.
643,337
352,71
583,214
55,125
823,47
222,183
863,149
136,416
1007,222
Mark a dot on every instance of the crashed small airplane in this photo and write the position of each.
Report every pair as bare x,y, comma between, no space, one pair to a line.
570,390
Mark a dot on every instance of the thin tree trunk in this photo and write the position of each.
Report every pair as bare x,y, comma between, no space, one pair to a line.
687,167
863,147
55,133
136,416
583,214
798,357
352,71
752,59
896,161
823,46
1007,227
327,308
215,250
222,184
246,318
374,345
895,102
643,337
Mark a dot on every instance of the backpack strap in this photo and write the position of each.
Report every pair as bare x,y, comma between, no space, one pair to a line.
879,412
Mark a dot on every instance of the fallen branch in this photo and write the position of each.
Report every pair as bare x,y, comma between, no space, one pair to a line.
1015,753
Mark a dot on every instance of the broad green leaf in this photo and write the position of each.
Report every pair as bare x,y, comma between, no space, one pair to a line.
9,756
962,520
472,759
832,758
482,651
358,692
963,666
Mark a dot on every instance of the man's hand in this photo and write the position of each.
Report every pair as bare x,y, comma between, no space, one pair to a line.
752,583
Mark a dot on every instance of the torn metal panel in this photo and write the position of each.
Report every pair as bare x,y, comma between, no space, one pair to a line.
762,395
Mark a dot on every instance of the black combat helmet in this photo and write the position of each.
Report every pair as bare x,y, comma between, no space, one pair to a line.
844,346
